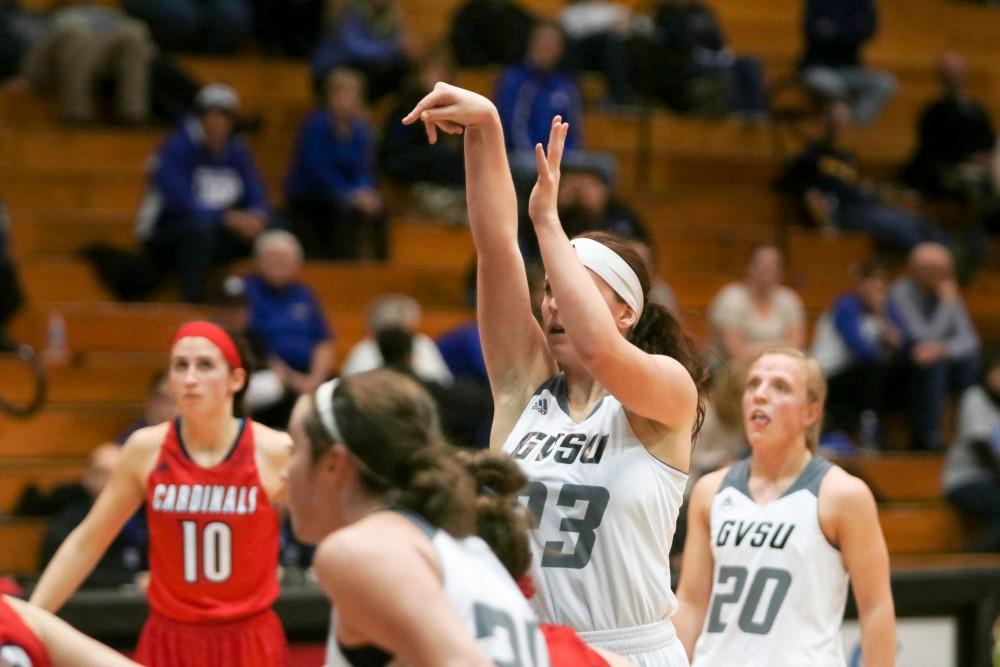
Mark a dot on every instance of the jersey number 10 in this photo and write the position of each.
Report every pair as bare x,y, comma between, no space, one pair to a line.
215,558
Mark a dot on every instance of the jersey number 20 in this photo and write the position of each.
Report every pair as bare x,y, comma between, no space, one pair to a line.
214,559
781,579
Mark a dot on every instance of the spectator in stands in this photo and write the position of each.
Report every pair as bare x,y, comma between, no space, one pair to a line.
123,560
954,155
490,32
206,202
721,440
158,407
203,26
659,291
73,53
529,94
367,36
697,72
971,475
597,34
750,316
435,171
330,189
397,310
587,204
287,328
289,27
855,343
824,180
942,348
464,406
835,31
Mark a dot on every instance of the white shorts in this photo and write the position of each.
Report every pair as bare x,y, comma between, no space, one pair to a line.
653,645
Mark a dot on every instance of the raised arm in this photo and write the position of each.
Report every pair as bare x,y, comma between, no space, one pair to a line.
694,590
84,547
517,359
652,386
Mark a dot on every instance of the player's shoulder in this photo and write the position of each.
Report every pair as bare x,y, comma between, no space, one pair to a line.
147,440
273,444
842,490
377,540
705,489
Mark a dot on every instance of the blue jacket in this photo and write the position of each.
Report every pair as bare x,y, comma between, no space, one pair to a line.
527,99
836,29
327,167
188,181
353,39
288,322
848,315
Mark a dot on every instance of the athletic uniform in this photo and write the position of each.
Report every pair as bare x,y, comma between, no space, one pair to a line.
213,561
779,586
485,597
606,510
19,647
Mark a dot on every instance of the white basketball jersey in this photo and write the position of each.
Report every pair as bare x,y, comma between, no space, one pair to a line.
482,592
779,587
606,510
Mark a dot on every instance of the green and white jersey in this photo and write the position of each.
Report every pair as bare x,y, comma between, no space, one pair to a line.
779,587
605,510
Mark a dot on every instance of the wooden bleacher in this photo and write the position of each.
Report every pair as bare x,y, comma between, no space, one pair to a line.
701,186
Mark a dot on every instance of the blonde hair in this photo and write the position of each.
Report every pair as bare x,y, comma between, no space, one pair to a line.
815,386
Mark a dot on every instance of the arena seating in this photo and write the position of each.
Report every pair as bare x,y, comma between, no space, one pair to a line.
701,186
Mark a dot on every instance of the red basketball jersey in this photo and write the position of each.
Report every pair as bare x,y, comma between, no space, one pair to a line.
18,644
213,534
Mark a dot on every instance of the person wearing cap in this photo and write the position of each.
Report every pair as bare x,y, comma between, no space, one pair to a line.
210,480
599,404
206,202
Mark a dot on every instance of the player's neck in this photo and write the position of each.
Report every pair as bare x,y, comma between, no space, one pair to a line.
582,390
209,432
778,466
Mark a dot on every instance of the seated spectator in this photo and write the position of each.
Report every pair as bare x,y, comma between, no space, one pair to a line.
587,204
721,440
971,475
465,406
397,310
597,34
831,66
367,36
529,94
435,171
287,327
659,291
942,348
123,560
330,189
75,52
855,343
203,26
489,32
206,202
158,407
289,28
698,72
825,182
747,317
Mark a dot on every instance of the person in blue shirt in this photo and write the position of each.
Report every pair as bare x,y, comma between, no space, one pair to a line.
286,324
206,202
856,343
330,188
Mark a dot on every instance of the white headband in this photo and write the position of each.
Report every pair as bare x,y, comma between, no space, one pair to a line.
324,406
613,270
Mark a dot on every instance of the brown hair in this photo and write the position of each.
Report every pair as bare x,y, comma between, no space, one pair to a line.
501,520
658,331
815,386
390,425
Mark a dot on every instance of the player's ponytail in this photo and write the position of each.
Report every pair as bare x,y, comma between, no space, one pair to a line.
658,331
501,521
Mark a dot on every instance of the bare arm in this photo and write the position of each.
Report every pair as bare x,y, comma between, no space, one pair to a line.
852,516
694,590
67,646
81,551
656,387
388,593
514,349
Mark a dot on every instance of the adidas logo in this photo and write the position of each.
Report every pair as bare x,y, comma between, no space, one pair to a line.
541,405
726,502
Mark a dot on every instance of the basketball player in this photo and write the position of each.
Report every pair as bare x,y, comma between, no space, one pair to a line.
209,481
599,404
31,637
772,540
372,481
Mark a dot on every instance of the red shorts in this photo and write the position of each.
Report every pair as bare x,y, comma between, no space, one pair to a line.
566,649
255,640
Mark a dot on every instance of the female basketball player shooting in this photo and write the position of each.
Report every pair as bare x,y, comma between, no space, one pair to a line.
599,404
209,480
772,540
